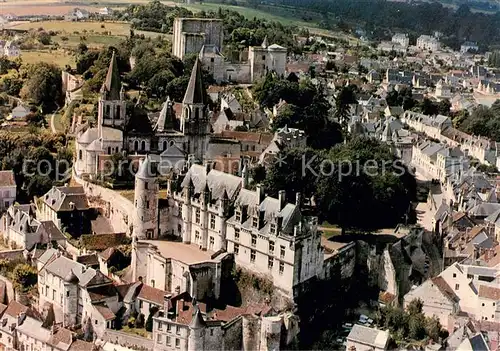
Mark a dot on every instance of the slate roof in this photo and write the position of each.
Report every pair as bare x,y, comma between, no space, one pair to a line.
88,260
63,266
217,181
7,178
369,336
88,136
112,84
60,198
195,90
166,117
146,170
489,292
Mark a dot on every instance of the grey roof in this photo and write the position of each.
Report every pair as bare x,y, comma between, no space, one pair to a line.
195,90
45,257
132,292
166,118
483,271
494,218
217,181
63,266
112,84
146,170
88,136
265,43
478,343
226,149
197,322
62,198
369,336
485,209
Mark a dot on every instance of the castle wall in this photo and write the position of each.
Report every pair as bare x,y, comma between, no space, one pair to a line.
214,337
189,33
251,333
233,334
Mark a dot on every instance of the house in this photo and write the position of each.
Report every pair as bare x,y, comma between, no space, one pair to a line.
469,46
23,231
229,101
106,11
77,14
8,189
10,49
363,338
229,120
426,42
401,39
66,206
283,138
19,113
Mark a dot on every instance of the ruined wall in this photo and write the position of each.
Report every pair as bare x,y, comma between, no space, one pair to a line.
120,209
251,333
233,336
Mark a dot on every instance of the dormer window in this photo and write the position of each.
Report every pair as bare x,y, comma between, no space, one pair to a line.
238,215
255,222
273,228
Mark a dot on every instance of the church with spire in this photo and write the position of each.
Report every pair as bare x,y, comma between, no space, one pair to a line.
123,128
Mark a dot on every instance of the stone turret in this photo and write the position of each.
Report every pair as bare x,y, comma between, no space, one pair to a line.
196,340
70,301
112,106
146,201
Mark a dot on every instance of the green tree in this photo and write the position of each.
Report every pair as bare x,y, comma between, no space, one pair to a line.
344,98
24,277
43,86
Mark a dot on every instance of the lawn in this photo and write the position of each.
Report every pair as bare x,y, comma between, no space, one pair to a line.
329,230
116,28
58,57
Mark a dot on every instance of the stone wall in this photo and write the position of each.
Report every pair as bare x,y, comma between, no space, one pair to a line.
9,289
120,211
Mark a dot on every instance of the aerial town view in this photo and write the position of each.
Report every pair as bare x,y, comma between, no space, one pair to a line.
249,175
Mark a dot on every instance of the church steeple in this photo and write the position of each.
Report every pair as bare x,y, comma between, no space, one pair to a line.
166,117
195,93
265,43
111,87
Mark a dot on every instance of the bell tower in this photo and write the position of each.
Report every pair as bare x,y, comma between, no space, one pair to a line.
111,110
194,120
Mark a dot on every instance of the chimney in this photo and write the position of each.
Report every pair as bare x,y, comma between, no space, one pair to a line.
167,303
282,198
21,318
260,193
298,199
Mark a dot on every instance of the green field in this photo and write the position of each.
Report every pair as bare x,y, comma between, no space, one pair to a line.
57,57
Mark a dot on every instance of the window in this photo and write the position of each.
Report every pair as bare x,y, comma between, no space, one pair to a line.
80,154
146,186
211,59
212,242
255,222
136,145
118,112
454,275
67,293
273,228
158,338
109,150
212,221
164,145
493,304
153,283
282,251
254,240
177,343
167,340
270,262
457,286
53,294
143,145
237,234
252,255
107,111
95,322
482,304
263,57
197,215
211,332
236,249
147,204
271,246
238,216
177,329
196,237
282,268
169,327
160,326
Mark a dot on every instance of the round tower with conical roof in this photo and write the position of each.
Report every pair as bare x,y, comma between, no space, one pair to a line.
146,201
196,340
70,299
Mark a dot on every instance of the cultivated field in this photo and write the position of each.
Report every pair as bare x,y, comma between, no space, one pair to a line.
57,57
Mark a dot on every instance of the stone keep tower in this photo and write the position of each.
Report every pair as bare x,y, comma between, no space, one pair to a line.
146,201
194,120
112,107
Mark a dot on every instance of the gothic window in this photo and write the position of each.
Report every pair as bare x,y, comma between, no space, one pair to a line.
211,59
118,112
186,113
171,143
136,145
255,222
147,204
263,57
80,154
107,111
146,186
196,113
143,145
109,150
164,145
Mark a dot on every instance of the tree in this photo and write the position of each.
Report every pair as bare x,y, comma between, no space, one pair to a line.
43,86
24,277
444,107
344,98
88,334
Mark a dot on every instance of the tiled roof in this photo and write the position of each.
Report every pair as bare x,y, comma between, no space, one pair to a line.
489,292
106,254
80,345
105,312
14,308
445,289
61,339
88,260
7,178
2,309
151,294
60,198
102,241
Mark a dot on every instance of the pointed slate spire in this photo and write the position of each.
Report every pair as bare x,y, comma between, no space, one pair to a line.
194,93
145,169
265,43
112,85
197,322
165,120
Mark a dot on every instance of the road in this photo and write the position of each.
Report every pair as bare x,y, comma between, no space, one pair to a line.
52,126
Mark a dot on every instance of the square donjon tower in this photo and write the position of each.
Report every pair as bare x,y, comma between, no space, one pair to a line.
190,34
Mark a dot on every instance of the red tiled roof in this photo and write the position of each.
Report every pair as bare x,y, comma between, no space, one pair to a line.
2,309
106,254
386,297
151,294
445,289
80,345
7,178
63,336
489,292
15,308
105,312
